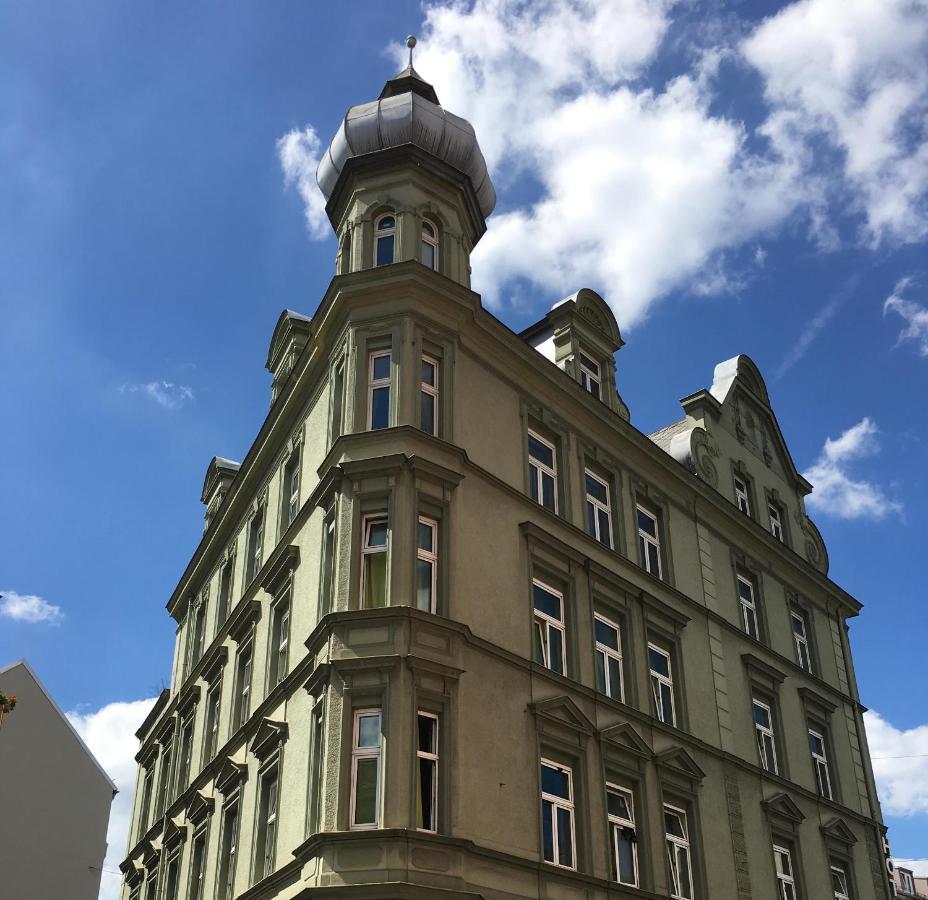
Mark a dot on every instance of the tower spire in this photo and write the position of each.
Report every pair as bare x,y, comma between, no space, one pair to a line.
411,43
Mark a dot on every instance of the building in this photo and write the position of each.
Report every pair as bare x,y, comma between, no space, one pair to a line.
908,884
54,799
457,629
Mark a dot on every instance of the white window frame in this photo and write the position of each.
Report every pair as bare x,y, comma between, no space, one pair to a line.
658,679
748,607
269,822
599,507
430,390
171,876
908,882
616,823
675,846
197,879
821,766
568,806
545,623
378,384
542,469
590,374
776,522
231,821
430,557
212,722
226,585
386,232
256,527
786,880
801,640
185,752
362,753
280,647
291,488
433,242
244,675
843,891
766,738
610,653
643,537
366,522
742,495
432,758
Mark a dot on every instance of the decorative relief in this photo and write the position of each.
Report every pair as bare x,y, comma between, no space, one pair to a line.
738,841
704,451
593,318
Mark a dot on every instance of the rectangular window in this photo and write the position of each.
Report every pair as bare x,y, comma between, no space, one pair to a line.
255,546
549,648
748,606
199,630
678,853
315,766
211,725
338,394
378,391
148,785
290,493
742,498
428,396
328,562
427,565
227,858
661,684
620,806
766,743
608,657
590,379
266,843
427,761
151,885
225,594
598,509
776,522
801,639
171,877
242,687
786,879
839,883
197,866
542,471
649,542
908,882
164,779
186,754
280,642
820,764
557,815
374,561
365,769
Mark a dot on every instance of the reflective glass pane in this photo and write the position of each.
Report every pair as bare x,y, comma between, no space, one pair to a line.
428,230
565,837
606,634
365,803
428,255
547,491
618,805
376,581
626,858
428,373
427,413
385,250
547,814
761,715
426,534
555,782
377,534
542,452
596,488
381,367
380,408
601,672
647,524
386,223
369,731
556,641
546,602
658,662
424,585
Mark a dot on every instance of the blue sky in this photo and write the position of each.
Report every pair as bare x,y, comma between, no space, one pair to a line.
760,187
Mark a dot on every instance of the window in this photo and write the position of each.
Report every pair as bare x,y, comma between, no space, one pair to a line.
148,784
255,545
786,880
620,806
598,509
171,877
557,815
820,764
776,522
766,744
908,882
678,853
151,884
385,239
328,562
801,639
542,471
315,766
661,684
590,379
427,565
839,883
548,626
242,687
374,562
428,396
266,842
338,393
378,400
197,866
225,594
608,657
211,736
280,642
186,754
199,629
365,769
649,542
290,504
742,498
748,605
428,252
164,779
226,880
427,783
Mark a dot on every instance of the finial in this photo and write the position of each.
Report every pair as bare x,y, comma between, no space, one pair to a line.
410,42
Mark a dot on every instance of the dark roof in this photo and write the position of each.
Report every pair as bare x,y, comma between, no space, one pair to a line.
664,436
409,81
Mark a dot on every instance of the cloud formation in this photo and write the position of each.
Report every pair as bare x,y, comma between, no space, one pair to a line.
900,765
28,608
918,867
915,316
835,492
165,394
299,152
110,734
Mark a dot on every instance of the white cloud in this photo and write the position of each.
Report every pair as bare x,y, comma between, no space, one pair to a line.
165,394
835,492
110,734
28,608
915,315
808,335
918,867
900,765
299,152
854,72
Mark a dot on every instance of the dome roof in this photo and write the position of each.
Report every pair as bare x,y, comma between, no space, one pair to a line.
407,112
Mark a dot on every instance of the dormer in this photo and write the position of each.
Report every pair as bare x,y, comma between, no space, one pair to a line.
219,476
290,336
581,336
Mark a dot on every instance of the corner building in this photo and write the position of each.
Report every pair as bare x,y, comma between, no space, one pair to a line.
456,629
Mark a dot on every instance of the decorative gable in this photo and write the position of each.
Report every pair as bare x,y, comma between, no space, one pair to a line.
230,775
624,736
291,335
678,761
564,712
267,738
838,832
782,810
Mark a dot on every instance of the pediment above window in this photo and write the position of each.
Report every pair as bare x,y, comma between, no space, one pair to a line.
150,855
281,568
267,738
624,736
230,775
200,807
562,711
838,832
132,871
678,761
243,620
782,809
173,834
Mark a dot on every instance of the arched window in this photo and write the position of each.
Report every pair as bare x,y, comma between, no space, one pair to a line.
384,239
428,254
344,261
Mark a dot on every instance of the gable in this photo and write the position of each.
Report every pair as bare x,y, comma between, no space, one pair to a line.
624,735
784,807
680,762
563,711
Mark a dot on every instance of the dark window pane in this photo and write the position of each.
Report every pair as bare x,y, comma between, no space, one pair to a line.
626,859
386,223
596,489
667,703
565,838
385,250
380,408
365,806
542,452
606,634
533,482
591,519
654,565
646,524
428,373
428,254
557,656
605,532
547,813
426,775
588,363
424,585
600,673
614,678
381,367
546,602
425,533
377,534
427,413
555,782
547,492
658,662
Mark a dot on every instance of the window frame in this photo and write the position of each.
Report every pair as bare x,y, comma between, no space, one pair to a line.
290,493
568,805
844,891
590,372
742,494
431,558
616,824
433,242
542,469
229,848
378,384
195,881
213,712
430,390
544,623
908,881
224,595
748,606
657,678
645,540
359,754
279,649
382,234
787,885
266,821
775,521
608,653
800,641
599,509
254,557
820,762
171,883
367,520
433,758
146,796
244,676
768,732
675,844
184,752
